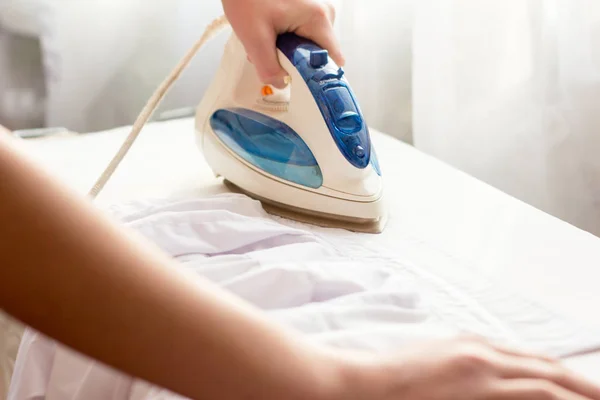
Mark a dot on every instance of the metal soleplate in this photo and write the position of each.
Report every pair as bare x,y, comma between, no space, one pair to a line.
312,217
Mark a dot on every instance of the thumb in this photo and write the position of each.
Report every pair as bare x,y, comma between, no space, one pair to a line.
262,52
320,30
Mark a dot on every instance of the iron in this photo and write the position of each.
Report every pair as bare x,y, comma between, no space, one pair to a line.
304,151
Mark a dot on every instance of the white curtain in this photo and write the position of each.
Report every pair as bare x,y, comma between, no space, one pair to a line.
509,91
104,58
376,37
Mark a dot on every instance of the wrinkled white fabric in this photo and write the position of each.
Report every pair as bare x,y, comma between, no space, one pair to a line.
10,337
338,288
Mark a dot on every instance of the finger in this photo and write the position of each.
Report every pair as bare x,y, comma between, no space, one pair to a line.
261,50
532,389
325,38
523,353
511,351
330,11
320,30
517,368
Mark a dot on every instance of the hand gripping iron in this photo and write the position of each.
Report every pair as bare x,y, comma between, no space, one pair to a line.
305,152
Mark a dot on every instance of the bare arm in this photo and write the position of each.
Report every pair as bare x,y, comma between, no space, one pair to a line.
70,273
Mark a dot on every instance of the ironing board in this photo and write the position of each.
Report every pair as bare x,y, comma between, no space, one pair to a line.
553,262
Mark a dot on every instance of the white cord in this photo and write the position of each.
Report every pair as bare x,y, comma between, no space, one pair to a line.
211,30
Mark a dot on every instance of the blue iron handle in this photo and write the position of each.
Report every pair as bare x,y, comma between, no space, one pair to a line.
334,97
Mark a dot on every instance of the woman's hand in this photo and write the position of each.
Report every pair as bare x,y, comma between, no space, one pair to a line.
467,369
258,22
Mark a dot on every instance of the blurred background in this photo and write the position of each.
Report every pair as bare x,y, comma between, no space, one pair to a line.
508,92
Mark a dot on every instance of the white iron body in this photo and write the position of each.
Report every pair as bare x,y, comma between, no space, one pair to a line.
347,192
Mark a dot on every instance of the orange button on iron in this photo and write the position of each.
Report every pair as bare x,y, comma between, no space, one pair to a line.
266,90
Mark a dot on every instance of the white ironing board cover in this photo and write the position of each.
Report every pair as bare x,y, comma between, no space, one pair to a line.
432,206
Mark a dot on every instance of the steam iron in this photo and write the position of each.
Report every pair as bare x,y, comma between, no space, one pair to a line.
305,151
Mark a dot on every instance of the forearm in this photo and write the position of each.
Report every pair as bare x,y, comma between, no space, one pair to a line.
71,274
